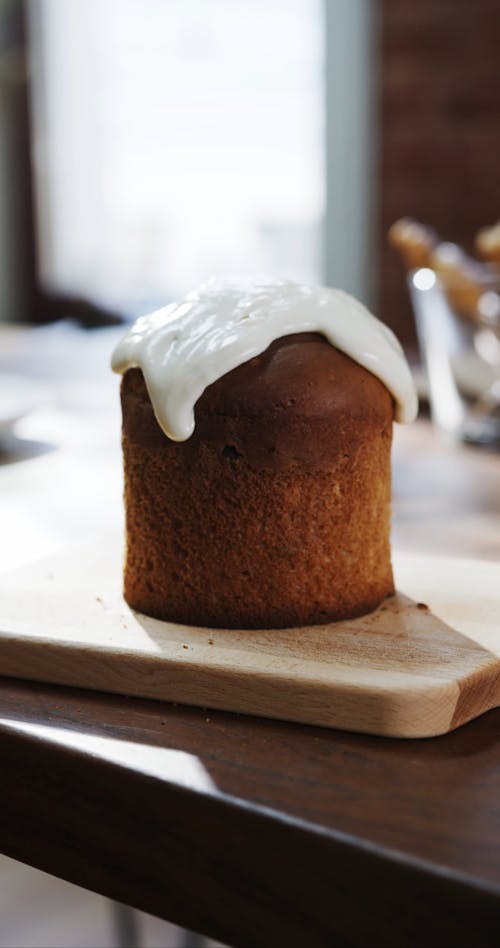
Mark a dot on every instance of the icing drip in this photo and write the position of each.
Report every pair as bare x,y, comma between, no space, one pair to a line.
186,346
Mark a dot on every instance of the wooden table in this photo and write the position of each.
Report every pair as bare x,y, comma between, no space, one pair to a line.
255,832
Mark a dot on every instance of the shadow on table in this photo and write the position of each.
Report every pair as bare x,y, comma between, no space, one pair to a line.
384,788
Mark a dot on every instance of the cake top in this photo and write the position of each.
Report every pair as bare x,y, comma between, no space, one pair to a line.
185,347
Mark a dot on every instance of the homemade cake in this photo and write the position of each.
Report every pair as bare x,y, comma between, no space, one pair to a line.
257,426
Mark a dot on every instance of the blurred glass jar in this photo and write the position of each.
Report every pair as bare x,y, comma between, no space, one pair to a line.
458,324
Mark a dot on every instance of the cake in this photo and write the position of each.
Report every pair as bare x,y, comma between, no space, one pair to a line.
257,427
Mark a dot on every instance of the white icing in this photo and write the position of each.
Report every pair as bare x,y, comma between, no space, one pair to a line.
186,346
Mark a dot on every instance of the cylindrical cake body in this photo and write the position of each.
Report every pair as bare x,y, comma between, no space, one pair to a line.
276,512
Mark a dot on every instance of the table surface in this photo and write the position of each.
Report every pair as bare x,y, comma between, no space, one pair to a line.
252,831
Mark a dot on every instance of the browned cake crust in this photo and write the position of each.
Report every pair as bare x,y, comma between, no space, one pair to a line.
276,511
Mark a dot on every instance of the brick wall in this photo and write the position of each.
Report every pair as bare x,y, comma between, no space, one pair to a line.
440,128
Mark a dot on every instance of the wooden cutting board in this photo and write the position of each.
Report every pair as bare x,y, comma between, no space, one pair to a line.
417,667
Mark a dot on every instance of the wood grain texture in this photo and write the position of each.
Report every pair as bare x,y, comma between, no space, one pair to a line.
345,840
399,671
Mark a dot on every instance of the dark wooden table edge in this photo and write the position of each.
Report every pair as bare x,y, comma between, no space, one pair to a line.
301,884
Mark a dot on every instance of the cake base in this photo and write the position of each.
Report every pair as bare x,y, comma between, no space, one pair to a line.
400,671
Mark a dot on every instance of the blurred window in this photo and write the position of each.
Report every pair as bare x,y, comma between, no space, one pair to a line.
176,139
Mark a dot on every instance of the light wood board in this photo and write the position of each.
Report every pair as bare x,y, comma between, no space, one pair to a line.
402,671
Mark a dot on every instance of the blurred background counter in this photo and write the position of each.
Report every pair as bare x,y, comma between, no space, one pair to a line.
61,473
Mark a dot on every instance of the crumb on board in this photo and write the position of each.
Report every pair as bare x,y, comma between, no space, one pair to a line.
98,599
423,606
210,641
185,646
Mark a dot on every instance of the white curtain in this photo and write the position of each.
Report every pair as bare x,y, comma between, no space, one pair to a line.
176,139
